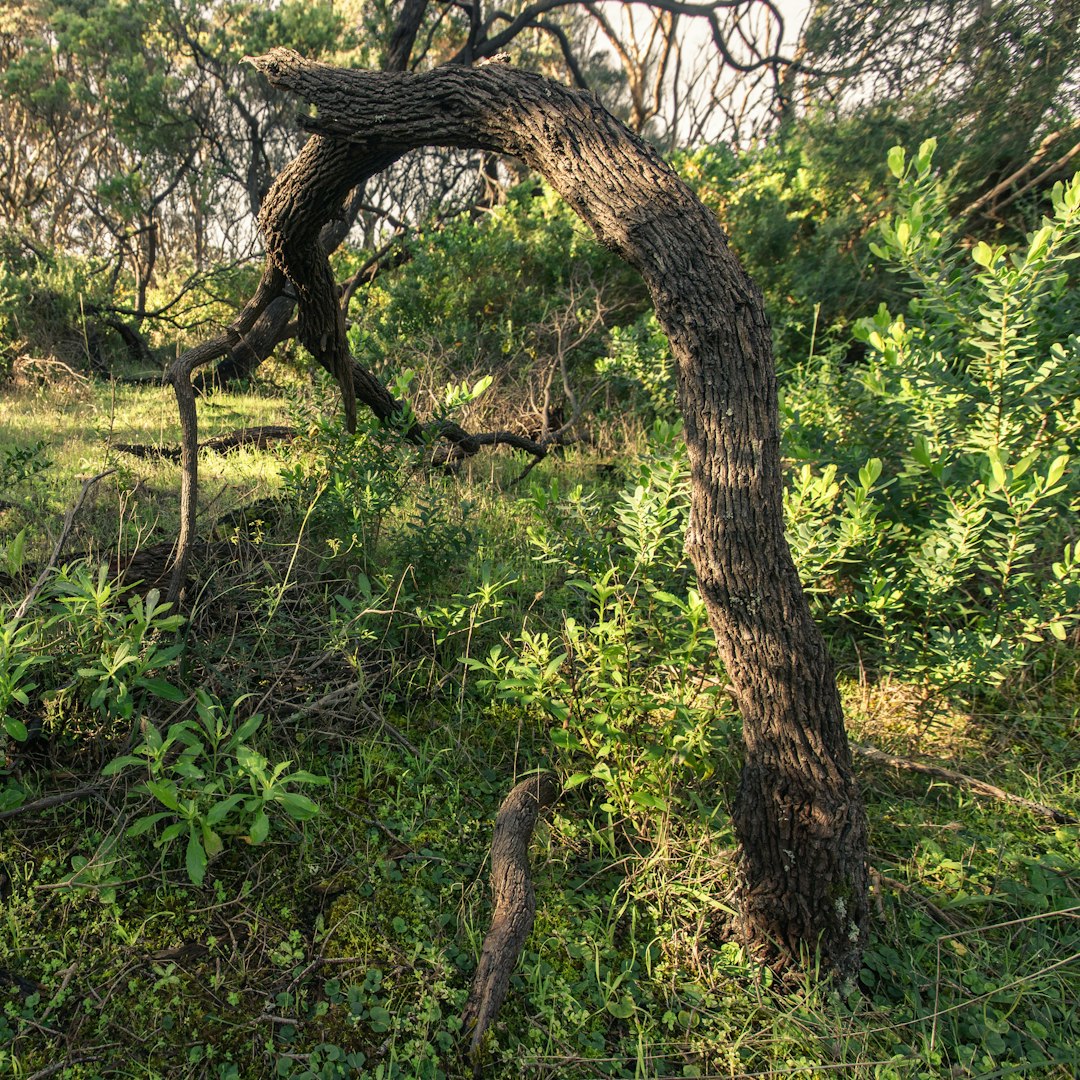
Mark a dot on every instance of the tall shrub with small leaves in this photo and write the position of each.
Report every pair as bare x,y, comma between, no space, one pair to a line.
967,558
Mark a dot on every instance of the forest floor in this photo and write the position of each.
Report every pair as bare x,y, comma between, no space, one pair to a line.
342,942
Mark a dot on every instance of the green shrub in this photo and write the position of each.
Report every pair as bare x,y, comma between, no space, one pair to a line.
627,682
953,548
94,649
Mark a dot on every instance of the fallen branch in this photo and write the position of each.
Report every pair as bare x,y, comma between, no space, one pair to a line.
513,904
259,437
981,787
46,801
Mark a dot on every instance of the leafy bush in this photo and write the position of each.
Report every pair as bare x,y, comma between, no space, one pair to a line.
211,783
628,684
639,359
94,649
953,548
43,297
346,484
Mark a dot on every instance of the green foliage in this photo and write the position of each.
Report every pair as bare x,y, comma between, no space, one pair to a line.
796,210
486,296
93,654
623,689
211,783
955,558
43,300
21,468
639,360
346,483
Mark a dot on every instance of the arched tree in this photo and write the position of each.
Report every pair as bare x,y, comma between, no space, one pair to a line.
798,816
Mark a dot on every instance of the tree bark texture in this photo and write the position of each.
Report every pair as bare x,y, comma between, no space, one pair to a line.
513,903
799,816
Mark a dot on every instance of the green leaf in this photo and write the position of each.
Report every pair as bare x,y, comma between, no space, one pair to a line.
564,740
260,828
301,776
220,810
925,157
15,728
983,254
297,806
921,451
213,843
1056,470
165,793
997,469
896,161
144,824
869,473
195,860
248,728
176,829
1040,241
480,386
622,1009
163,689
651,802
379,1019
114,766
1058,630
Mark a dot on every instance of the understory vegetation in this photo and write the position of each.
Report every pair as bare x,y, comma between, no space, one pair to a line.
247,826
247,837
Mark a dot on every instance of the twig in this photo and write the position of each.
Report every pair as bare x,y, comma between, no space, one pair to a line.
65,532
979,786
59,1066
935,912
45,802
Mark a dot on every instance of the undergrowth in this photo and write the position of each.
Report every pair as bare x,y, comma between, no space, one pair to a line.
248,837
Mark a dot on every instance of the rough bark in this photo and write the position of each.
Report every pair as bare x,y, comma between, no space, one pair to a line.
513,904
799,816
274,325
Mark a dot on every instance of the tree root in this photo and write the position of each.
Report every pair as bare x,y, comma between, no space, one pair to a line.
513,904
980,787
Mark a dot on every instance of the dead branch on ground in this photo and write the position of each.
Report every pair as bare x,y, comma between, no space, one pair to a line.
981,787
513,904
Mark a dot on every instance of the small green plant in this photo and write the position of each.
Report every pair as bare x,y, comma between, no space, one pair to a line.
91,651
346,483
22,468
628,686
18,657
639,356
212,783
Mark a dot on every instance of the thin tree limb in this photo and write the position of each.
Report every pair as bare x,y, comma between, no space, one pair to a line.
880,757
65,532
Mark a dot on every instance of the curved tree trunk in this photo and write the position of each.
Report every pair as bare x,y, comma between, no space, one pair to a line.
799,816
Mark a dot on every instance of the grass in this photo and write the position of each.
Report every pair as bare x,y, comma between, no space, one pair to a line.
344,945
76,427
